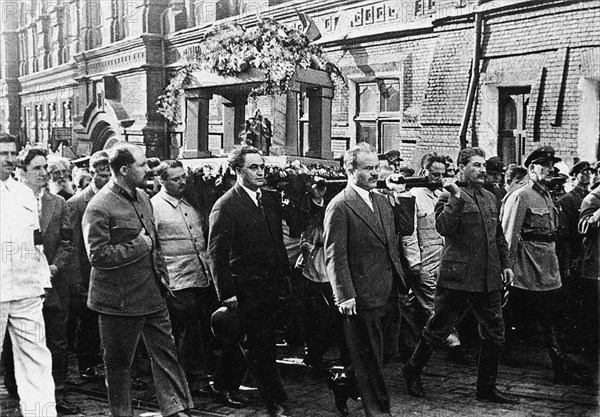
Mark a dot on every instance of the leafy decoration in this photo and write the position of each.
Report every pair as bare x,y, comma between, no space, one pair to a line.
231,49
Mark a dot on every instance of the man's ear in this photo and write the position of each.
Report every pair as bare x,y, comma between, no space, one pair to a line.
123,170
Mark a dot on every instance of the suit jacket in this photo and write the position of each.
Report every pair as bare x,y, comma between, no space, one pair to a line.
56,240
475,251
362,251
81,265
126,273
56,231
244,245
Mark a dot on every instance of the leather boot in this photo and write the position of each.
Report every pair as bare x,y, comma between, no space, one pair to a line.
487,373
414,367
119,392
562,374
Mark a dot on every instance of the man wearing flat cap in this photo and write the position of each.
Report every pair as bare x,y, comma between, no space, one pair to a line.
530,223
569,244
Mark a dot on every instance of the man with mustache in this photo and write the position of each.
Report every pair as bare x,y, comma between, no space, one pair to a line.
25,276
473,268
127,286
59,178
363,264
530,221
182,239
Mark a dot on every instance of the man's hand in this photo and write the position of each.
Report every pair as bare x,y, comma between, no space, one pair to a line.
348,307
147,238
416,268
507,277
397,188
450,185
231,302
53,271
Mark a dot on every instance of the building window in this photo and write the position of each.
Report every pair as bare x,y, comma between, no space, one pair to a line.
378,113
424,7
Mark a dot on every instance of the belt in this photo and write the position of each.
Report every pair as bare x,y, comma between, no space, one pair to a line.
534,237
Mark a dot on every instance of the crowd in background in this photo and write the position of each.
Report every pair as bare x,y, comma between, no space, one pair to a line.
307,317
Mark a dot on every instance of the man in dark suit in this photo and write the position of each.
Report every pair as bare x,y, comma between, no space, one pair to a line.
474,267
362,232
127,286
249,265
87,338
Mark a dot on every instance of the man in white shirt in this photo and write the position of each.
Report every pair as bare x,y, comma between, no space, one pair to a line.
24,276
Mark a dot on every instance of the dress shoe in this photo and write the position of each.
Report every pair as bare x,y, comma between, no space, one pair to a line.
229,398
414,386
277,410
89,374
65,407
492,394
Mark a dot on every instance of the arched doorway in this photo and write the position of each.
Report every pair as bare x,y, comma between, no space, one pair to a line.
102,136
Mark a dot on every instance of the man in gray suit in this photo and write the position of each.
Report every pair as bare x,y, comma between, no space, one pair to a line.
474,267
127,286
363,264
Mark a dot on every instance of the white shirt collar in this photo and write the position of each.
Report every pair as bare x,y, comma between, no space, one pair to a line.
252,194
174,201
364,194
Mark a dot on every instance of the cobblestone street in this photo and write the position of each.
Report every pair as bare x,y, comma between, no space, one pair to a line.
449,392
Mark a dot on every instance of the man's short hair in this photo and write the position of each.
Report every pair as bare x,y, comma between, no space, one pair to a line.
514,171
432,158
27,155
351,154
99,160
120,156
161,170
465,155
237,157
6,138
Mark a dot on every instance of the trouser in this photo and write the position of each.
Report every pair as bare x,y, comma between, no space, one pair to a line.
257,305
83,332
190,310
33,361
120,336
372,337
423,284
323,323
451,306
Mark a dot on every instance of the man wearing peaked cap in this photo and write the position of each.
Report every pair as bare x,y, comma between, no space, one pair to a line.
570,243
580,167
540,155
530,225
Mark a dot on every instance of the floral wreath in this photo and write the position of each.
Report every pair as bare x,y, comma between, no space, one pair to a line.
231,49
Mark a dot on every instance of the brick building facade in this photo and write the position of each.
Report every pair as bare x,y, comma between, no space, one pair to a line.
91,71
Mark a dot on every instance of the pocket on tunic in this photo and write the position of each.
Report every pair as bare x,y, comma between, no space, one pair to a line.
540,217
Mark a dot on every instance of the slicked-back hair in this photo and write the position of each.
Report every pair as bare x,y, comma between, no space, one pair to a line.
162,168
27,155
6,138
432,158
237,157
120,156
465,155
351,154
99,160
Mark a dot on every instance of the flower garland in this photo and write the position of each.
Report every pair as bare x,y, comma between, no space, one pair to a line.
231,49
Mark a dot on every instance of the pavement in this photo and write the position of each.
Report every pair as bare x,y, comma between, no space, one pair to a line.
449,391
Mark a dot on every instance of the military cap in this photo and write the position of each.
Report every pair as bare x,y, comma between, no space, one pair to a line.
578,167
542,154
494,164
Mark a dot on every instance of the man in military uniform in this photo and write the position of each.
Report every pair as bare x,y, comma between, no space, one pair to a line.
530,223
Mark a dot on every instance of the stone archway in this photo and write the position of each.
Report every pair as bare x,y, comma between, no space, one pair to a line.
103,136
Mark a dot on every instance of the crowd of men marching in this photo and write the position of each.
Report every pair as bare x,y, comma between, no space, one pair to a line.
94,260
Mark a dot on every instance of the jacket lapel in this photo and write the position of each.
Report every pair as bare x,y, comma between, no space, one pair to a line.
46,211
362,210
